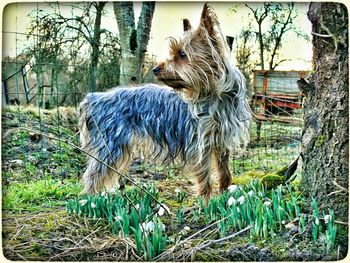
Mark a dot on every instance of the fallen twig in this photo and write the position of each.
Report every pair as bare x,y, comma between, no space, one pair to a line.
339,186
215,241
171,250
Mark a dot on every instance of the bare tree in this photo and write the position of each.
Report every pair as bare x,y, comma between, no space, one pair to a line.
59,37
91,35
325,141
133,39
279,19
260,13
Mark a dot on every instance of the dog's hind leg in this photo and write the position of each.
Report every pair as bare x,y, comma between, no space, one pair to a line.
94,177
221,163
99,177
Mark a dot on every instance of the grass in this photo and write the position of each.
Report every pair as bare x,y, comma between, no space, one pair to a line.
36,195
264,159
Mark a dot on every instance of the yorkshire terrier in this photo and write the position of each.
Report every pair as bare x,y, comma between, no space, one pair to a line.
199,118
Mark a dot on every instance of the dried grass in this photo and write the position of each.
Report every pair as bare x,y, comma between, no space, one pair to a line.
55,236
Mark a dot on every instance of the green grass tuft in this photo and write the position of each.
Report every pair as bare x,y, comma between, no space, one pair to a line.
35,195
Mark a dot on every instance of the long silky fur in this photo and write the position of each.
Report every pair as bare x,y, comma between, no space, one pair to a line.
171,124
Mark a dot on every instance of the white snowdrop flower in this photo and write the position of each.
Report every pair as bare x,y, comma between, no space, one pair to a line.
137,206
231,201
162,226
232,188
118,218
326,218
283,222
148,226
317,222
187,228
177,191
93,205
251,193
241,200
267,203
104,194
162,209
112,190
83,202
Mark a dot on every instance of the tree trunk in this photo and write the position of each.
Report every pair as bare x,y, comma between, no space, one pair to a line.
95,44
325,143
133,40
261,46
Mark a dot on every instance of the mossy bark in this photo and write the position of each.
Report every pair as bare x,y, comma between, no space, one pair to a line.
325,143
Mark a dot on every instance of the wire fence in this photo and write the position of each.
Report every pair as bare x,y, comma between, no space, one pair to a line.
41,93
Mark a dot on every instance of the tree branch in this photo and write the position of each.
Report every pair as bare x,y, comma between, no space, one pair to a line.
321,35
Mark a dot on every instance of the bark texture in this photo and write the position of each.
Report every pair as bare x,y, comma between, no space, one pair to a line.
95,44
133,40
325,141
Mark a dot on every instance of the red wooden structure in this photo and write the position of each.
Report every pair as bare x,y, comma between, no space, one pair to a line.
276,96
276,93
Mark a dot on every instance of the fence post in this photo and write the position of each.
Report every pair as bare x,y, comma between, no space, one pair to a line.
5,96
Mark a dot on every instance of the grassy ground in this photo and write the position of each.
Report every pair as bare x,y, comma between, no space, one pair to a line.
41,175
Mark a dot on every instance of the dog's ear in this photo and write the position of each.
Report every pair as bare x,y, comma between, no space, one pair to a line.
208,19
187,25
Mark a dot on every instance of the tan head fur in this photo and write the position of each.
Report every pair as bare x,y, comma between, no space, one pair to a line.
198,61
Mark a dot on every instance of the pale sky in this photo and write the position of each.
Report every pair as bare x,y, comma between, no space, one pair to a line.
167,21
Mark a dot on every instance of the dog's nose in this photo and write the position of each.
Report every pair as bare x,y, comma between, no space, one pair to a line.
156,70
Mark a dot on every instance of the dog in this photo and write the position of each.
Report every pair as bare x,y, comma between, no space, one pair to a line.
198,118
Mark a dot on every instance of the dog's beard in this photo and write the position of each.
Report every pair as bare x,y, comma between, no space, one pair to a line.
173,80
176,84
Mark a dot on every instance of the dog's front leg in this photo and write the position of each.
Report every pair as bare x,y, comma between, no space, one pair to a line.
221,163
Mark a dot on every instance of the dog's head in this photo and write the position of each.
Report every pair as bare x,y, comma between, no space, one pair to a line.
199,63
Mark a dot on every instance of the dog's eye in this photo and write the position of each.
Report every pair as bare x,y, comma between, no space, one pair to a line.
182,54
